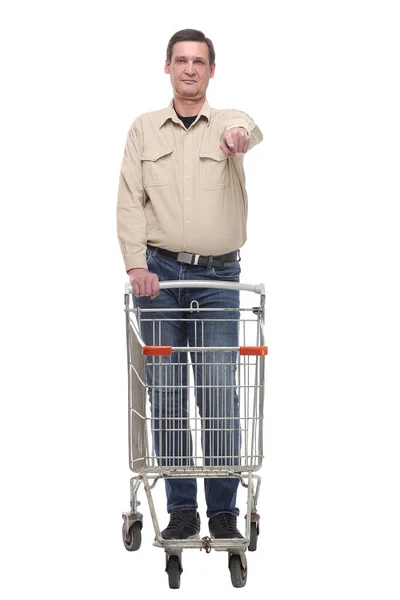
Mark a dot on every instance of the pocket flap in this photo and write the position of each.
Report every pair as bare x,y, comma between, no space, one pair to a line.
155,153
213,153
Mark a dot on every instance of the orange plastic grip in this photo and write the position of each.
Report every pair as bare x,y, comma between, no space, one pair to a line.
157,350
253,350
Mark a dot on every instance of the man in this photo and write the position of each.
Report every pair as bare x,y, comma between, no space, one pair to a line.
182,211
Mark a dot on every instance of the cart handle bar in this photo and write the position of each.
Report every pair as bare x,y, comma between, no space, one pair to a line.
167,350
224,285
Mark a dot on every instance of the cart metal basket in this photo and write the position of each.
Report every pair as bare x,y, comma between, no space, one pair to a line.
211,423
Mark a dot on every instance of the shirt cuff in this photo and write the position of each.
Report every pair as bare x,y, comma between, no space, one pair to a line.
242,124
134,262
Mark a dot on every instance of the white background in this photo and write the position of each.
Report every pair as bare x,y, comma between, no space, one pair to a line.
321,79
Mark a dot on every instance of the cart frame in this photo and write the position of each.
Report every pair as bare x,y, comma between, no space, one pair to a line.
142,459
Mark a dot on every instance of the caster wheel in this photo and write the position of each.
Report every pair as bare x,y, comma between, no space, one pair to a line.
133,537
174,572
238,574
254,532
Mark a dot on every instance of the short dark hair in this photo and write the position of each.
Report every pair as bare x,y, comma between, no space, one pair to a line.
191,35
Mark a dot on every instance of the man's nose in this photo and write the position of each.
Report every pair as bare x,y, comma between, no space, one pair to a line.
189,68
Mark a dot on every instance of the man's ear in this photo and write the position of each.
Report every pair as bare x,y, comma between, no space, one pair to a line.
167,67
212,70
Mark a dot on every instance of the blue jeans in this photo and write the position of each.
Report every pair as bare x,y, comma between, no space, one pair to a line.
214,379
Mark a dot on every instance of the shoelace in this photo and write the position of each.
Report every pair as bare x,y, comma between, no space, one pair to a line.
227,520
176,518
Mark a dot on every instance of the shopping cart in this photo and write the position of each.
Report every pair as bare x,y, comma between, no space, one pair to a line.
196,446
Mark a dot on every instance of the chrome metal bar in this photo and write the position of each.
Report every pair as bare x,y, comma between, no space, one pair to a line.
151,506
201,348
257,492
249,505
134,486
191,310
223,285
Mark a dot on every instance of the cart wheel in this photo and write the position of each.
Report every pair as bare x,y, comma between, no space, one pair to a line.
133,538
238,574
254,531
174,572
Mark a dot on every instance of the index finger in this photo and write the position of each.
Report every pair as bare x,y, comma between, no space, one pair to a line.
231,141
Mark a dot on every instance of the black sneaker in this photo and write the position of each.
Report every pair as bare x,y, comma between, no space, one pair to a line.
223,526
183,525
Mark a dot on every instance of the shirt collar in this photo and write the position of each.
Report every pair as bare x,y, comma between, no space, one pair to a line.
169,113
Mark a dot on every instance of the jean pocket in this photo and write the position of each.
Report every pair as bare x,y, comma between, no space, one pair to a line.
149,258
230,270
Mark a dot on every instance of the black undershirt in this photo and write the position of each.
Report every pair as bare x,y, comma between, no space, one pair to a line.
187,121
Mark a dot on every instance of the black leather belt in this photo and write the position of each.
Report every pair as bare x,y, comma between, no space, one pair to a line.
197,259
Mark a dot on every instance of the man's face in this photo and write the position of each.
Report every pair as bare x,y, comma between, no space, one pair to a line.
189,69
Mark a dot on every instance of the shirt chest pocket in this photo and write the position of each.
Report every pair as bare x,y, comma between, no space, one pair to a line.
214,169
156,166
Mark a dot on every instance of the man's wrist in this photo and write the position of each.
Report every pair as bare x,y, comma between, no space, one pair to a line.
137,269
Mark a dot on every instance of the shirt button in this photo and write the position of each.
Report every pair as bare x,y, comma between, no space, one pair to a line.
185,246
187,199
187,177
187,155
187,221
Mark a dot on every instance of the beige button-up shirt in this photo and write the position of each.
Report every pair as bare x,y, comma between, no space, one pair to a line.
178,190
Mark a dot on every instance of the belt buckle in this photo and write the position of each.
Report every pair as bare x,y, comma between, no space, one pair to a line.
187,258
